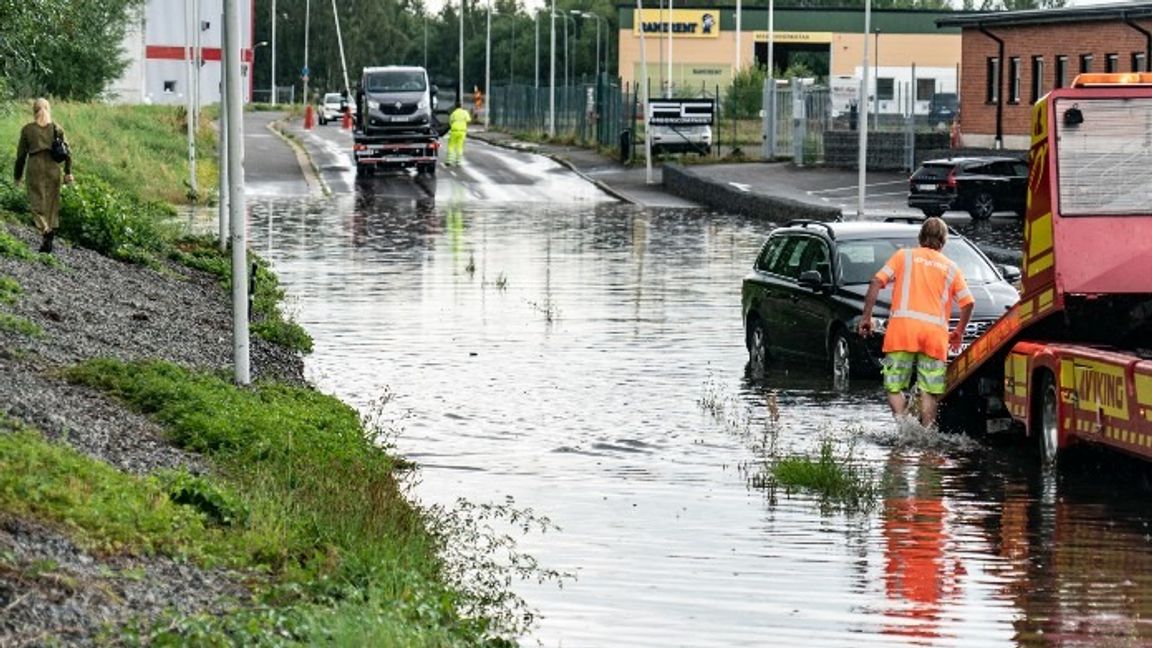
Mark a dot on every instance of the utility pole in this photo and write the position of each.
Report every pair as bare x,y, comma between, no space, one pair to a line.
862,118
668,90
460,72
340,44
488,69
273,55
222,163
644,100
736,61
236,207
552,76
307,72
536,27
189,107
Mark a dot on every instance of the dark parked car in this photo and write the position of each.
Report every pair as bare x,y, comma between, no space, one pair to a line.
978,185
804,297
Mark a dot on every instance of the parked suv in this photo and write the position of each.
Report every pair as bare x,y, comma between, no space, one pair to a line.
804,297
394,99
979,185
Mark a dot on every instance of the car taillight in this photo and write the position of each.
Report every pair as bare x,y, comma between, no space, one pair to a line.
950,181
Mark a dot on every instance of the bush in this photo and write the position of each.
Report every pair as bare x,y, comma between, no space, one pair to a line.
746,95
112,223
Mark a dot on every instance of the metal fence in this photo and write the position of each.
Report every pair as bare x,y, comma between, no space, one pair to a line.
586,112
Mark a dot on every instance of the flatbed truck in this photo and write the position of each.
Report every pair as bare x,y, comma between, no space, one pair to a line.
411,150
1071,362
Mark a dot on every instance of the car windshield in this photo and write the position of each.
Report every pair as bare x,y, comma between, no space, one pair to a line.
859,260
332,97
395,81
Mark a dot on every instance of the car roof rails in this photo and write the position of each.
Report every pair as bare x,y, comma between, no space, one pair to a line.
915,220
805,222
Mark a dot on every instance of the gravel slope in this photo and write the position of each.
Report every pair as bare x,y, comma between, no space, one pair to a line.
91,306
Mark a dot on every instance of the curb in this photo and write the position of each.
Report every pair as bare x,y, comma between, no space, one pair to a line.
679,181
312,175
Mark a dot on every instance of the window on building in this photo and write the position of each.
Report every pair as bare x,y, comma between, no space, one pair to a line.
992,91
1037,78
1138,62
169,87
1061,72
1014,80
1086,63
885,89
1111,62
925,89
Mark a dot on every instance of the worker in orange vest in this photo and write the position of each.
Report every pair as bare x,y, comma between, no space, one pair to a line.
917,337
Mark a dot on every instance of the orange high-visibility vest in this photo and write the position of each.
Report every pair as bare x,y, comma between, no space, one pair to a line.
927,282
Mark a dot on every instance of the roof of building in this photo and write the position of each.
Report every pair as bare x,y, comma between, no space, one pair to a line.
1087,13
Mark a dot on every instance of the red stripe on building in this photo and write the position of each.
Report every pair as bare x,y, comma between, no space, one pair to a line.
179,53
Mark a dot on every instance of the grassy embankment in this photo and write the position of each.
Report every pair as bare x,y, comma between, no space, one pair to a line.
301,502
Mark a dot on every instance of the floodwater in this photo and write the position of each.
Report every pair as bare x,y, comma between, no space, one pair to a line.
584,359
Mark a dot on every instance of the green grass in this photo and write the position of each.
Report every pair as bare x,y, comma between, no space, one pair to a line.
300,494
831,474
17,324
10,290
144,148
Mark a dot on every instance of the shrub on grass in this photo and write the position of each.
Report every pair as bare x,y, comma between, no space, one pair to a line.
95,216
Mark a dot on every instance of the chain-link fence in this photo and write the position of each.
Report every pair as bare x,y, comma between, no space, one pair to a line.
590,113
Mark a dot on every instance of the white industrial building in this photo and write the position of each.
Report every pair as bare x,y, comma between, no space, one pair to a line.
163,44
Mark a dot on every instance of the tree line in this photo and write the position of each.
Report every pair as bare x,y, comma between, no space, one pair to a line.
71,49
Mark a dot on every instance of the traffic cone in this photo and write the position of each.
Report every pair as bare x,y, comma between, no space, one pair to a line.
308,117
346,120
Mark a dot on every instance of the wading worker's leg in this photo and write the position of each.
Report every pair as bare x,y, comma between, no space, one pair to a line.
897,370
932,378
455,146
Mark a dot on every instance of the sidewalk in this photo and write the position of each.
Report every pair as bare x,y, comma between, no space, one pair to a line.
626,183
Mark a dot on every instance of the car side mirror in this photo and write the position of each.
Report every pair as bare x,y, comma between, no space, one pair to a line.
811,279
1010,273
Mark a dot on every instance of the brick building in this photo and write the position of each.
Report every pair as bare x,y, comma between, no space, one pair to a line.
1009,59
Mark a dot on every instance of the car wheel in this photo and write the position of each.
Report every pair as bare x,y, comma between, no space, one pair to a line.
1046,421
982,206
841,354
757,346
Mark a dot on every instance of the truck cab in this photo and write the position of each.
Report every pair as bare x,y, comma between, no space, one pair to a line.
1072,361
395,99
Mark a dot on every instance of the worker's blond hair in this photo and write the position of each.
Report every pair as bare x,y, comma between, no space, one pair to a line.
42,111
933,233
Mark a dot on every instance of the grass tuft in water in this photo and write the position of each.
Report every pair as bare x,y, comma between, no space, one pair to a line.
831,473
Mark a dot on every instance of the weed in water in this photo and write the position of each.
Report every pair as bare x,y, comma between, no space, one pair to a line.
471,267
834,475
501,281
547,308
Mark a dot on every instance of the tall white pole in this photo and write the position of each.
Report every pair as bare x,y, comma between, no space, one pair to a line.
307,72
597,49
770,110
189,108
488,69
460,63
536,27
273,52
340,44
566,57
739,51
222,182
862,116
235,137
644,93
197,61
552,76
668,90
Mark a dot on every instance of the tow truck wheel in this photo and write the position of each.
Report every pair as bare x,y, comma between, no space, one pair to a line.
983,206
1046,421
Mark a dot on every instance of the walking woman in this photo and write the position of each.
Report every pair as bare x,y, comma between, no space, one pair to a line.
35,153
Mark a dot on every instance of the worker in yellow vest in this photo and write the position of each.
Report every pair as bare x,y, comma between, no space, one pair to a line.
457,131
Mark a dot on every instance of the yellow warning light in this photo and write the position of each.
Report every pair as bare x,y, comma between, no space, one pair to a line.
1097,79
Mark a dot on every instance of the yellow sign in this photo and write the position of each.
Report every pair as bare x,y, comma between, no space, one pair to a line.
683,23
1101,387
793,37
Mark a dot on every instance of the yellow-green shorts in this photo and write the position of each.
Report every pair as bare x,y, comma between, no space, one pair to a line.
897,370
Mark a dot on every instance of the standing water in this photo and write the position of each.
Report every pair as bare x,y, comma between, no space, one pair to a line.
586,361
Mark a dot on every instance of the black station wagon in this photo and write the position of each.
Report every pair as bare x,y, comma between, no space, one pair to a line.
980,186
803,299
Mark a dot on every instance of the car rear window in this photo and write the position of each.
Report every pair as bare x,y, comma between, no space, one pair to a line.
859,260
932,172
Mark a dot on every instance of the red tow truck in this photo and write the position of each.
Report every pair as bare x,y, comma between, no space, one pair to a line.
1071,362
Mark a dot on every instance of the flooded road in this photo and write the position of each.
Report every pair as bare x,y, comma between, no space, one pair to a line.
540,344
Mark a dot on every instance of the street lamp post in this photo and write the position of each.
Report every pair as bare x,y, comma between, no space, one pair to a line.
460,63
862,152
552,76
876,96
587,14
488,69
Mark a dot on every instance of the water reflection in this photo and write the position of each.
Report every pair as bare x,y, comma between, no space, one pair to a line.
561,356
